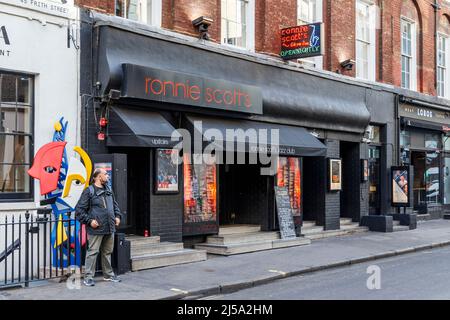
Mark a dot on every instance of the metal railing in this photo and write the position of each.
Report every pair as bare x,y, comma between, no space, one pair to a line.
34,248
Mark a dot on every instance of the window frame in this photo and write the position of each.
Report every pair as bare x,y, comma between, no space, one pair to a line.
156,12
315,62
413,57
23,196
249,27
445,82
370,42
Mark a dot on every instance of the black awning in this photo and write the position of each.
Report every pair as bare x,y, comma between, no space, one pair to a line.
129,127
424,124
293,141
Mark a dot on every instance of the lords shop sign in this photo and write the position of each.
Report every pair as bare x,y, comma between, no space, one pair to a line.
180,88
301,41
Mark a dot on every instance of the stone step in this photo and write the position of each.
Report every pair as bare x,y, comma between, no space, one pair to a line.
446,216
346,221
335,233
395,223
238,248
138,240
151,261
351,226
400,228
139,249
242,237
308,224
242,228
309,230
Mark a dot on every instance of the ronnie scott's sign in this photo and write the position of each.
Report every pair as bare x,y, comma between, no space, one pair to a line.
180,88
301,41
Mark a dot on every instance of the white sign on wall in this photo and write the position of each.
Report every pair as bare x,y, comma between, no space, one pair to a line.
60,8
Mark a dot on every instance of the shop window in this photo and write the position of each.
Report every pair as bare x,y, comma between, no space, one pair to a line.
446,142
405,139
145,11
237,25
432,140
446,174
200,187
15,136
432,179
289,176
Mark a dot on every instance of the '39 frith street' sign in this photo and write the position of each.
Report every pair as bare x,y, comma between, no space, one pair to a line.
301,41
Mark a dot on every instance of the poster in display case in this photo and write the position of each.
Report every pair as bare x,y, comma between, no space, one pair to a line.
166,172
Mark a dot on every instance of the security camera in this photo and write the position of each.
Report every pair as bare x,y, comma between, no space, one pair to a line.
348,64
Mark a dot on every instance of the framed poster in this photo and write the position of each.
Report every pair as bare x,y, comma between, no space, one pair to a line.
400,186
166,172
334,174
364,170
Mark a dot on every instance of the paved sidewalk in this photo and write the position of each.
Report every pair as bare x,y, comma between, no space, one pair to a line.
226,274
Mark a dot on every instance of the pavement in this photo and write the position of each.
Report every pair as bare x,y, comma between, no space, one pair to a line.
222,275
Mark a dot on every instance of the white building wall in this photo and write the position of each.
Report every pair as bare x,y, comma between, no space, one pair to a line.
39,46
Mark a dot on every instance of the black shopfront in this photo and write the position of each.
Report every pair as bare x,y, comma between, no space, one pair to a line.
147,84
425,145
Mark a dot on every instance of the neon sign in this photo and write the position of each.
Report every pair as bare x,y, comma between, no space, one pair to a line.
301,41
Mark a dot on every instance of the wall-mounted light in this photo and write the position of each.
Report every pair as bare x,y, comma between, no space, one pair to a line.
348,64
202,23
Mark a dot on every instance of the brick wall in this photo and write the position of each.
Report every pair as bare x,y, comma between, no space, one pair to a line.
339,19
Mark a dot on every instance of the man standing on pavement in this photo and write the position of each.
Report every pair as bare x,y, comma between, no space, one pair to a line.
98,210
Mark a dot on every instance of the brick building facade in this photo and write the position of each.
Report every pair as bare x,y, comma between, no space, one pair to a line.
358,121
339,20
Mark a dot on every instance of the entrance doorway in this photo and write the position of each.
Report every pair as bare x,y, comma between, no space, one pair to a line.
374,179
244,195
426,179
351,176
139,186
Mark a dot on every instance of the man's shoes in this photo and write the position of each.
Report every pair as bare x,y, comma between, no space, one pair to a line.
112,279
89,282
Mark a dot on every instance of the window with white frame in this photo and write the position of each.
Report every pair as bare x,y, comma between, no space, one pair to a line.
365,40
310,11
442,70
145,11
306,11
408,62
237,27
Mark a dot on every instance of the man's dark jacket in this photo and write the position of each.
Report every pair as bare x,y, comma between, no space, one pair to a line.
101,206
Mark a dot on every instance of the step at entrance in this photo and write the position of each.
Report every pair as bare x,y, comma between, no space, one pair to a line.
149,252
243,239
314,232
240,228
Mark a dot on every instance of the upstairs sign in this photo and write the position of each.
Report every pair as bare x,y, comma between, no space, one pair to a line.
301,41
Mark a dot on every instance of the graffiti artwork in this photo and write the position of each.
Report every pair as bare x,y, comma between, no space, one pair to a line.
62,181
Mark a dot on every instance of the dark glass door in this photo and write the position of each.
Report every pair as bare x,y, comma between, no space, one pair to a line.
418,160
374,179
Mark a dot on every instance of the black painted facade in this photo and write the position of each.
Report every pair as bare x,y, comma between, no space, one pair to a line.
336,109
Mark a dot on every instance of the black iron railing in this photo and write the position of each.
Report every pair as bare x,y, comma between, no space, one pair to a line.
34,248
